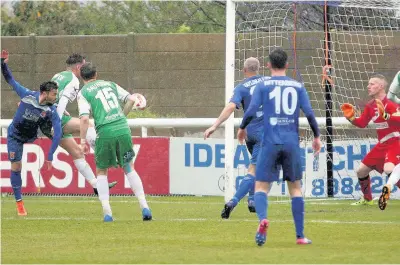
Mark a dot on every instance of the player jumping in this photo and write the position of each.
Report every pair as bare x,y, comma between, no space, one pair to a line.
114,142
385,154
34,108
281,98
68,88
242,97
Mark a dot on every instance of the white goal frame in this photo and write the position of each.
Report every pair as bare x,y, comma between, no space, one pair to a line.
229,86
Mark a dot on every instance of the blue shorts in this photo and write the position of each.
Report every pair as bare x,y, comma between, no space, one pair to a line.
15,149
253,144
273,156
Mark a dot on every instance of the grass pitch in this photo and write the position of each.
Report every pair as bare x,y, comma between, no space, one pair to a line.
190,230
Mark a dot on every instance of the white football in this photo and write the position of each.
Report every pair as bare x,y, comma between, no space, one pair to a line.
140,101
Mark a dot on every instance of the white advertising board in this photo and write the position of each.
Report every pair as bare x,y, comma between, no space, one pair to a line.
197,168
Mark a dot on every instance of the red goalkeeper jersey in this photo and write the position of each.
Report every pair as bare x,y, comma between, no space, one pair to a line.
384,129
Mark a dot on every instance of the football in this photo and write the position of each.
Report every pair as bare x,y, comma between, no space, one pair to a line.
140,101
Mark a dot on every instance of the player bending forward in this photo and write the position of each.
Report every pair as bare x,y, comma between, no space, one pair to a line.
114,142
34,108
68,88
281,98
386,153
242,97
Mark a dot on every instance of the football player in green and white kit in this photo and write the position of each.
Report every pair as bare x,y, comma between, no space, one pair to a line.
114,141
68,84
394,89
394,177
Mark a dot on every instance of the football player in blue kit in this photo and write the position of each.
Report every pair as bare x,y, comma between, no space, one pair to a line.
241,98
281,98
34,108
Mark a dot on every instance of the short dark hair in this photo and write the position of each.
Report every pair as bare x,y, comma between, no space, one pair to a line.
88,71
48,86
75,58
278,58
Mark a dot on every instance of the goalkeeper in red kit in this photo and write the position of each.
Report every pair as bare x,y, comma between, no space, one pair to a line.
386,153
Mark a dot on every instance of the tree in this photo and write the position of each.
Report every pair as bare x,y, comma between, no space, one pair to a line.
121,17
112,17
41,18
155,17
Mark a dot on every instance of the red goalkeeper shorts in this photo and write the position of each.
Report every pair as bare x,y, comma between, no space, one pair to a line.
387,152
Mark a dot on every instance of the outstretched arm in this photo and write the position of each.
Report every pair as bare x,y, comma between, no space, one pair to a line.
233,104
21,91
350,114
126,99
225,113
363,120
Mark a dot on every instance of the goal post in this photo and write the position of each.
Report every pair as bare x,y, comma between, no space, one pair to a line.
333,47
229,84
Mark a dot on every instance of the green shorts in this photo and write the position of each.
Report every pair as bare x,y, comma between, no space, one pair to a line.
64,120
114,151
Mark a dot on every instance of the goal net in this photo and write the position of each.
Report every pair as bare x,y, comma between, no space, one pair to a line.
334,47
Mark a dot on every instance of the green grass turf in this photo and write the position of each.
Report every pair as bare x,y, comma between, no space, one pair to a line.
189,230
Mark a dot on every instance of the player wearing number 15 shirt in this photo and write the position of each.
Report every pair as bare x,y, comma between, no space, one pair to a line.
281,98
114,141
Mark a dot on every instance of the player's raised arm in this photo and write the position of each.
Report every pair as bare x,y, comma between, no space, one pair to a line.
132,102
349,113
392,118
305,106
56,122
21,90
394,89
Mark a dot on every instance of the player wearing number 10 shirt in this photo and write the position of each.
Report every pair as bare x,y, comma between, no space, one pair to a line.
281,98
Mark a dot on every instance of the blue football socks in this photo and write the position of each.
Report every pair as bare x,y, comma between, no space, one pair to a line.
261,200
298,215
245,186
16,183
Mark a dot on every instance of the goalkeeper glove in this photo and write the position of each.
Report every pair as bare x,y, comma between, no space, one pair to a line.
381,110
348,111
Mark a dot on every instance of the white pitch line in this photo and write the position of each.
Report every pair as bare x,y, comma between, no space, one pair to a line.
134,200
202,220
